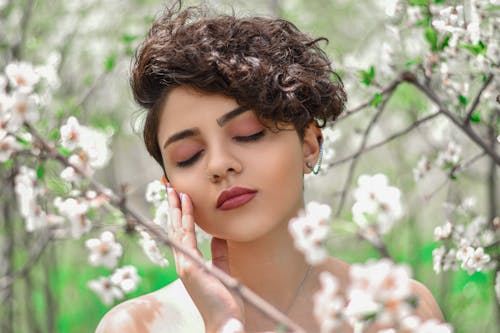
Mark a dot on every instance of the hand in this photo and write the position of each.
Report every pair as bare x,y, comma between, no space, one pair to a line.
214,301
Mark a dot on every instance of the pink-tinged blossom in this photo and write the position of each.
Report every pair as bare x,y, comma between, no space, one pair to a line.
8,145
104,251
70,134
74,210
126,278
328,303
423,167
379,288
155,192
69,175
96,200
152,250
23,108
476,261
93,144
80,161
443,232
22,76
377,203
310,230
106,290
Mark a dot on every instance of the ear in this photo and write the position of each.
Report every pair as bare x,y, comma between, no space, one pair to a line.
311,145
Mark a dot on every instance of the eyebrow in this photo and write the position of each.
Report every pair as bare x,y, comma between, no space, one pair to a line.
231,114
221,121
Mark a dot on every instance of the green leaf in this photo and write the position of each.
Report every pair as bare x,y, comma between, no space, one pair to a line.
54,134
376,100
475,117
110,63
431,36
63,151
412,62
445,42
479,48
128,38
463,100
421,3
40,172
367,76
8,164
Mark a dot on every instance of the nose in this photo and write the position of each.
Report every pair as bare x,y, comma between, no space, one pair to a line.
221,163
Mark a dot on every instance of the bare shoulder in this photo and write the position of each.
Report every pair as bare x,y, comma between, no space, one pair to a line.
169,309
427,307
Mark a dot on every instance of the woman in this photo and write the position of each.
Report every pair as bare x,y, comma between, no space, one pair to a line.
235,110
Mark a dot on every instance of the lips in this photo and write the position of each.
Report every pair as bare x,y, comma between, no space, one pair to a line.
235,197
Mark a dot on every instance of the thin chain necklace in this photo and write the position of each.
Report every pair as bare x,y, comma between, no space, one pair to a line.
299,289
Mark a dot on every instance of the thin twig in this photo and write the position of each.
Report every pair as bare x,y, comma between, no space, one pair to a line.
396,135
466,129
391,87
476,100
355,158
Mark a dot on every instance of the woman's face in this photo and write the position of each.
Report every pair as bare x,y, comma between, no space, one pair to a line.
208,149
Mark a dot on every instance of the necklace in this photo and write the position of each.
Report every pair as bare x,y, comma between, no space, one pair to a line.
299,289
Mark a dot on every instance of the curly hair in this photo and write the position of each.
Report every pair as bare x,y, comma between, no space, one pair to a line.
266,64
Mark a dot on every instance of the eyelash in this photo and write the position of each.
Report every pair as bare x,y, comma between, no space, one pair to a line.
249,138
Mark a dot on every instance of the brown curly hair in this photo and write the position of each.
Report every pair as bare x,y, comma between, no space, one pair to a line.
266,64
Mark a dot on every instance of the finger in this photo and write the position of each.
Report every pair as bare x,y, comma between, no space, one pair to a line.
172,197
219,254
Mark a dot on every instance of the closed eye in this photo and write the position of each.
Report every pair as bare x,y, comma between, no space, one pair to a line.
189,161
249,138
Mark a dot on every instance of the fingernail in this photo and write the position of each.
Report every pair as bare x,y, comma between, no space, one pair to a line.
182,195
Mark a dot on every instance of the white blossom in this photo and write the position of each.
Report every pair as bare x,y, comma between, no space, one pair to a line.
69,174
104,251
413,324
376,203
106,290
423,167
328,303
152,250
27,193
310,230
23,108
443,232
450,156
8,145
22,76
475,261
155,192
70,134
126,278
162,214
380,286
74,210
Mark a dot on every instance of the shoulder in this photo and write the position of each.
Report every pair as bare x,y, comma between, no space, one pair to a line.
427,307
169,309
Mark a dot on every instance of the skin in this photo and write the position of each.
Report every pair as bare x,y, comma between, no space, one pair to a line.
251,242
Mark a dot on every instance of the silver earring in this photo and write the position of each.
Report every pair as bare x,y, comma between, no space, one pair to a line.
315,169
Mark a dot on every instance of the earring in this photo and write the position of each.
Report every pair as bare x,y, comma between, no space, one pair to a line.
315,169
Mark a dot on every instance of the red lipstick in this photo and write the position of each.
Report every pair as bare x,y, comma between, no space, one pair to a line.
235,197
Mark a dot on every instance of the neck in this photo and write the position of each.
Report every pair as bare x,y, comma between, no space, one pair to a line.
270,266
